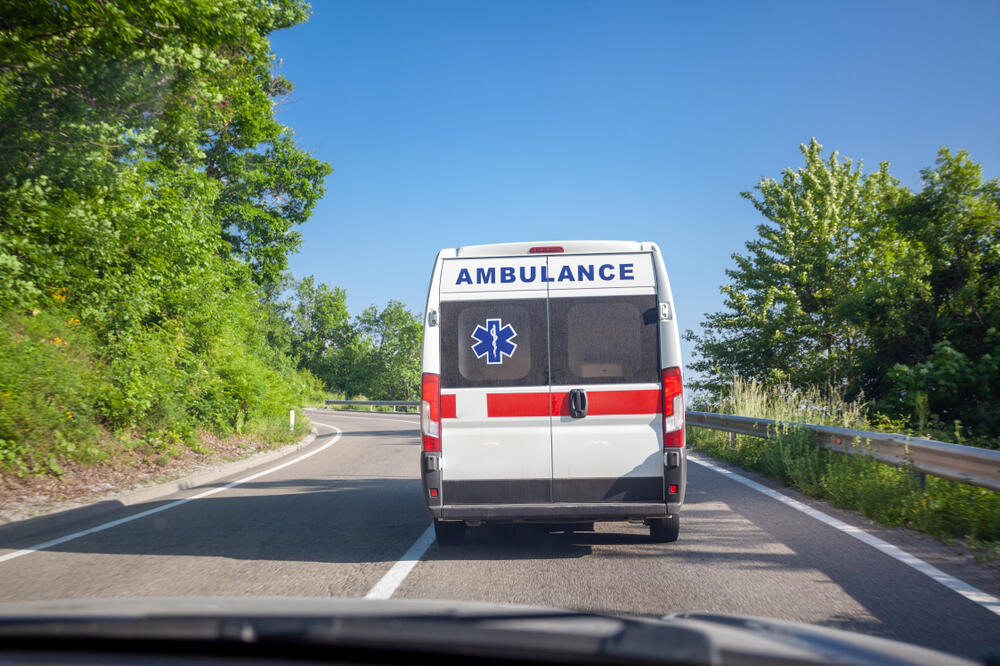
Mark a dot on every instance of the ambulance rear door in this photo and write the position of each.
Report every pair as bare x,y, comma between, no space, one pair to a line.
606,393
495,399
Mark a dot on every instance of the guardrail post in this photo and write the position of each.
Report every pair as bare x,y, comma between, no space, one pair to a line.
732,440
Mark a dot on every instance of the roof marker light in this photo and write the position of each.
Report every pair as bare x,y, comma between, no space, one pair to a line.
546,249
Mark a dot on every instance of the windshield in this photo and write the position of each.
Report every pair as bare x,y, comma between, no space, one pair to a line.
636,309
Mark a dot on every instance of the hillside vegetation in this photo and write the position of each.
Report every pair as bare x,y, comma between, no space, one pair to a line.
149,200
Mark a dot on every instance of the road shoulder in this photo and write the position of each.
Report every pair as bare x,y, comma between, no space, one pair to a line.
62,502
954,560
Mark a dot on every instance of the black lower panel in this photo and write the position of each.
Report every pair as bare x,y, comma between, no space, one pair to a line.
537,491
504,491
626,489
555,513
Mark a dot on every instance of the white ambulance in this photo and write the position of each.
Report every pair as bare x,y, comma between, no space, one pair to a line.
551,388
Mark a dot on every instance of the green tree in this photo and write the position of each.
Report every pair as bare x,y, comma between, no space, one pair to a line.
269,187
85,82
935,328
90,89
784,318
396,335
861,285
382,359
354,367
320,326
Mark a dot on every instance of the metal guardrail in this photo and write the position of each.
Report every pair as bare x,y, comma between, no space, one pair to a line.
376,403
966,464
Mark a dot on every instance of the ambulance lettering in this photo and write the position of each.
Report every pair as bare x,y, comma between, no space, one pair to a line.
528,274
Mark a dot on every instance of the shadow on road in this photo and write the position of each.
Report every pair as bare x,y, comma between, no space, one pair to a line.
339,520
297,519
724,528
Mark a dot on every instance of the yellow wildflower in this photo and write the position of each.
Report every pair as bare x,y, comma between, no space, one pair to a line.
69,415
59,294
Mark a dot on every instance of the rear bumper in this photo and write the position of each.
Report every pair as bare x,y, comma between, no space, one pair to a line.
606,511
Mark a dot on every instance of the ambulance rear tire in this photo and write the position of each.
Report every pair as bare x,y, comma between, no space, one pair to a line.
449,533
665,530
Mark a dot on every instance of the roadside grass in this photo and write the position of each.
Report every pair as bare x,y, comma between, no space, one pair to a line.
889,495
984,552
274,431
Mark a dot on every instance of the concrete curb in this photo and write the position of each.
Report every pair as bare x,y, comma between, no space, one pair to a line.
61,517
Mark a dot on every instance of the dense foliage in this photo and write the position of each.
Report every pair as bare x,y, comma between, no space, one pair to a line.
147,207
859,284
377,355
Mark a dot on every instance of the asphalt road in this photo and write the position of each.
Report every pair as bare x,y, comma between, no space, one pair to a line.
335,523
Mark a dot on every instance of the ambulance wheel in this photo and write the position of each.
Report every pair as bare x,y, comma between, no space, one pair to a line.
449,533
663,530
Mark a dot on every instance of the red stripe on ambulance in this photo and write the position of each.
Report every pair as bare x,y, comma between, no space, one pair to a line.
447,405
607,403
517,404
599,403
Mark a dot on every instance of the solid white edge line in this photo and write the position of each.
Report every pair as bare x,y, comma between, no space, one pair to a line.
170,505
387,585
973,594
397,573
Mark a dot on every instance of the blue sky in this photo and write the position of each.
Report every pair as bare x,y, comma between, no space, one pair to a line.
456,123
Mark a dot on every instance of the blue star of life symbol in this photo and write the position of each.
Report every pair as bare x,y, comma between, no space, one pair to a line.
494,341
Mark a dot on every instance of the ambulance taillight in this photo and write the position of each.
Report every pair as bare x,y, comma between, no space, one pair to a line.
673,408
430,411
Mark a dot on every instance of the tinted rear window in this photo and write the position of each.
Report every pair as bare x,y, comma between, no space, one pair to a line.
494,343
604,340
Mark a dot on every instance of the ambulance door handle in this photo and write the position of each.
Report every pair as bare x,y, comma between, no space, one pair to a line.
577,403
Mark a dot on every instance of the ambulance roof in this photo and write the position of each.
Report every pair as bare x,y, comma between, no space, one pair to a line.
569,247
